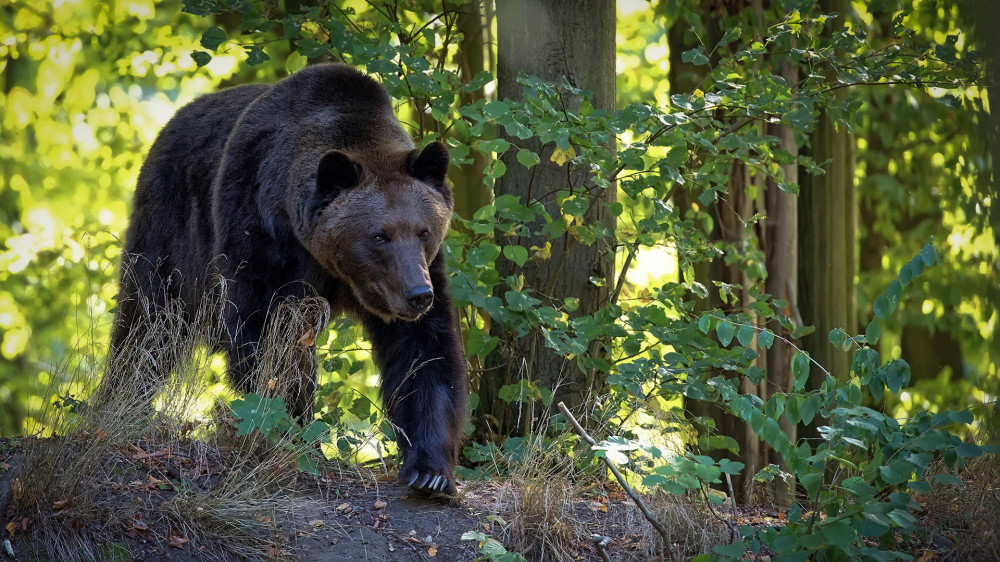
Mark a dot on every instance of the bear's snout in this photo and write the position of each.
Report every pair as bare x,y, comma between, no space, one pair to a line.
420,298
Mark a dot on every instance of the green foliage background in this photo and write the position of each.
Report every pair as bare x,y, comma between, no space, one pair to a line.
86,86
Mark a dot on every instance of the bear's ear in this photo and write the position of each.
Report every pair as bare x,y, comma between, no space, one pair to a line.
336,173
431,165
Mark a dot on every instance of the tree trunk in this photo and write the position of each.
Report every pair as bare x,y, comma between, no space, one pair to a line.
780,241
553,40
470,190
827,260
729,216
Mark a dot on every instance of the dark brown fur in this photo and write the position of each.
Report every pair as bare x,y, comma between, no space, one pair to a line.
309,183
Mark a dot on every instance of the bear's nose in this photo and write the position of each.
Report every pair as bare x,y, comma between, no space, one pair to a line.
420,297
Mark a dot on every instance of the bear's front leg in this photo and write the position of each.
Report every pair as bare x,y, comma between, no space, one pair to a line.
424,389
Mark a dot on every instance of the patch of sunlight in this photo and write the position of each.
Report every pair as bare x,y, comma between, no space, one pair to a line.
927,307
628,7
85,137
655,52
160,109
142,9
653,267
221,66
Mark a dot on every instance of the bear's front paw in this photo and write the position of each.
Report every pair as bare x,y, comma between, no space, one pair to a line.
422,478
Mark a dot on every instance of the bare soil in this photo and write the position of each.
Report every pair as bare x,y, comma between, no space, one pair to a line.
336,517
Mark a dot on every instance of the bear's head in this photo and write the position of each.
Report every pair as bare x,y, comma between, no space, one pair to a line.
378,225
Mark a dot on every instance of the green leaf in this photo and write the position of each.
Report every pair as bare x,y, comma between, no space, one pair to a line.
947,479
212,38
382,66
478,81
836,337
765,339
695,56
705,323
295,61
256,55
792,409
474,536
493,145
895,291
839,533
969,450
730,467
811,483
201,58
516,254
896,472
745,335
495,109
527,158
873,332
735,550
492,549
881,306
928,254
575,205
315,430
725,331
800,369
809,408
731,34
201,7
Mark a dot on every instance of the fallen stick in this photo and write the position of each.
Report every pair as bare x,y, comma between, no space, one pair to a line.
621,480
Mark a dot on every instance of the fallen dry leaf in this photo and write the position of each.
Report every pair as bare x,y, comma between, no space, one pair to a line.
17,488
380,504
60,504
308,339
272,383
432,551
12,527
317,523
100,435
177,542
5,466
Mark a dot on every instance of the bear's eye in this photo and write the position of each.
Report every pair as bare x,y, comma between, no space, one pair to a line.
380,238
425,234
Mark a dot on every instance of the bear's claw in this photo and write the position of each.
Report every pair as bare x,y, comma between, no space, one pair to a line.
429,482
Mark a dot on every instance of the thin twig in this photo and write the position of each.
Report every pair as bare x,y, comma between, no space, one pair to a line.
621,480
732,497
600,542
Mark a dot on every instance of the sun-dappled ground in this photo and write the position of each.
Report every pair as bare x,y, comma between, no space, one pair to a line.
145,501
132,512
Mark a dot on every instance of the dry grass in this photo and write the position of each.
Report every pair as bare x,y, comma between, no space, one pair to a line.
968,515
550,508
78,488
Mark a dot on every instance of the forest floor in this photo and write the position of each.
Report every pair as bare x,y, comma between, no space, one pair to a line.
132,513
144,512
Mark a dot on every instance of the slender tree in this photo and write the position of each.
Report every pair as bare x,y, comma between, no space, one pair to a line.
556,41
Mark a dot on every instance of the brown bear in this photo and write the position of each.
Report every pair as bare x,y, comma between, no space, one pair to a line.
308,184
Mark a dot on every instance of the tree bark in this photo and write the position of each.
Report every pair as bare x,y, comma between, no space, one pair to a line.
470,191
827,255
553,40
